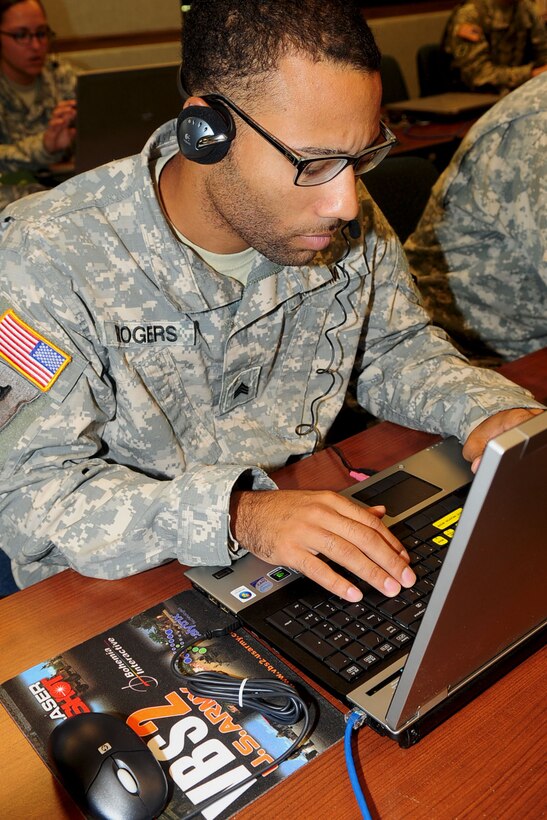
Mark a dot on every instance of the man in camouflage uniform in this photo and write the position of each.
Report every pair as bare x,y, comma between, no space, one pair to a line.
496,44
180,337
479,253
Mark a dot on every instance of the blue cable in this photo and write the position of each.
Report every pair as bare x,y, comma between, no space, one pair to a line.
353,717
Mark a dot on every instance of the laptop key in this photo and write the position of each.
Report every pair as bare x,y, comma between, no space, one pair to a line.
387,630
285,624
325,609
412,614
354,650
340,619
294,609
337,661
351,672
384,649
355,610
338,640
316,646
369,641
391,606
356,629
323,630
410,595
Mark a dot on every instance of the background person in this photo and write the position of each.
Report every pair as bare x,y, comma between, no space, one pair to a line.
193,316
37,105
479,252
495,45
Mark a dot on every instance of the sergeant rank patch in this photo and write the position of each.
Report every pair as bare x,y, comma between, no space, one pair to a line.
39,360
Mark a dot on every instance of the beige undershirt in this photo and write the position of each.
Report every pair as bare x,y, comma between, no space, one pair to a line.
26,92
236,265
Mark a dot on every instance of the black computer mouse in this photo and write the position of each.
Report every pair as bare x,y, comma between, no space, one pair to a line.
107,768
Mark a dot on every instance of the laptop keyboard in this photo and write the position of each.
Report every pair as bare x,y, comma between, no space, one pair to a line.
352,638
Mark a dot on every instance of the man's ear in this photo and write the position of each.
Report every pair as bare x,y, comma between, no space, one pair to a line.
205,130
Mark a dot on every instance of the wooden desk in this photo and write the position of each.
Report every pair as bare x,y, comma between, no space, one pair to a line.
485,762
421,138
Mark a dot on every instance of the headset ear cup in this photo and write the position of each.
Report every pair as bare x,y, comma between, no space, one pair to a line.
198,121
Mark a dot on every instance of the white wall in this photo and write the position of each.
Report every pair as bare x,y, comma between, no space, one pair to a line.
85,18
398,36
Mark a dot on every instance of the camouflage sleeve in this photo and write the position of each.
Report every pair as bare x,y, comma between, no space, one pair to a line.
410,371
473,60
63,503
26,153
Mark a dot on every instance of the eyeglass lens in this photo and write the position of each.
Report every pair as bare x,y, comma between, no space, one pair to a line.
323,170
25,36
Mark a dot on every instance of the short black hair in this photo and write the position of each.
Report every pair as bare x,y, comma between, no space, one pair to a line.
232,45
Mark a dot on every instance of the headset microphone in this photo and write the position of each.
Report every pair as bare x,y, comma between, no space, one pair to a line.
354,228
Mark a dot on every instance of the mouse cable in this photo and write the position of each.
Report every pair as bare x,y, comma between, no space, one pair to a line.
270,697
354,720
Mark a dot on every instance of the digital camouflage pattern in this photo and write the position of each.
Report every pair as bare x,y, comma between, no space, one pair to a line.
513,42
181,380
21,130
479,252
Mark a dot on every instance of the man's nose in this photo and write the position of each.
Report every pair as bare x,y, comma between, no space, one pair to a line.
339,199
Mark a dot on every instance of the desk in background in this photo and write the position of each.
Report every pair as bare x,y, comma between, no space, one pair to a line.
485,761
436,141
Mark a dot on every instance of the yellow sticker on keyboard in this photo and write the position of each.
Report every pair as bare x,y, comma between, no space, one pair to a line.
449,533
452,518
440,540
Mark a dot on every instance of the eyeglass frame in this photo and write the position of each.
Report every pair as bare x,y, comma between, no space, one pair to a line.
297,160
24,36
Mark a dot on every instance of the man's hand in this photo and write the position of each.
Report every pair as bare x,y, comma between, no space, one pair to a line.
60,132
491,427
295,527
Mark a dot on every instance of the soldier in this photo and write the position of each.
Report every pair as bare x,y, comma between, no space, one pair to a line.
37,106
177,324
479,252
495,45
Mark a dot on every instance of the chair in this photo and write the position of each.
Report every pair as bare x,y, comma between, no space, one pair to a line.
393,83
434,75
400,186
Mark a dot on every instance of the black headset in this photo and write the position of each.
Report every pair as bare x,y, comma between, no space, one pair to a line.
204,133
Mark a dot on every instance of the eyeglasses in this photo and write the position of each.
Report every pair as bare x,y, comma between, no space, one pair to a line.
318,170
24,36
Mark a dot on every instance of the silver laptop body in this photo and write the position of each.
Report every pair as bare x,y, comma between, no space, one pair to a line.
489,601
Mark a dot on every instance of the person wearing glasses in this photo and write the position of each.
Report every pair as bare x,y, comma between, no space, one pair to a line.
177,324
37,100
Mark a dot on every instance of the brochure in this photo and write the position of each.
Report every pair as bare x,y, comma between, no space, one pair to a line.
203,745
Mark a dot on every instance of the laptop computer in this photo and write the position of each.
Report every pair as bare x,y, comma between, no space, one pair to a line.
478,547
118,109
452,105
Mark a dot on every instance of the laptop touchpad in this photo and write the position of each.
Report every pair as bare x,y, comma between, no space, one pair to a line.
398,492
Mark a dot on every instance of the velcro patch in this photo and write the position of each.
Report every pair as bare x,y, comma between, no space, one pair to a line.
36,358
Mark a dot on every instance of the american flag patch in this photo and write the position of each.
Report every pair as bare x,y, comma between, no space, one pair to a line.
29,353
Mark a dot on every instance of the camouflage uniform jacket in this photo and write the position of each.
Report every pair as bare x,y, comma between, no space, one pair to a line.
479,252
22,128
513,42
181,381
